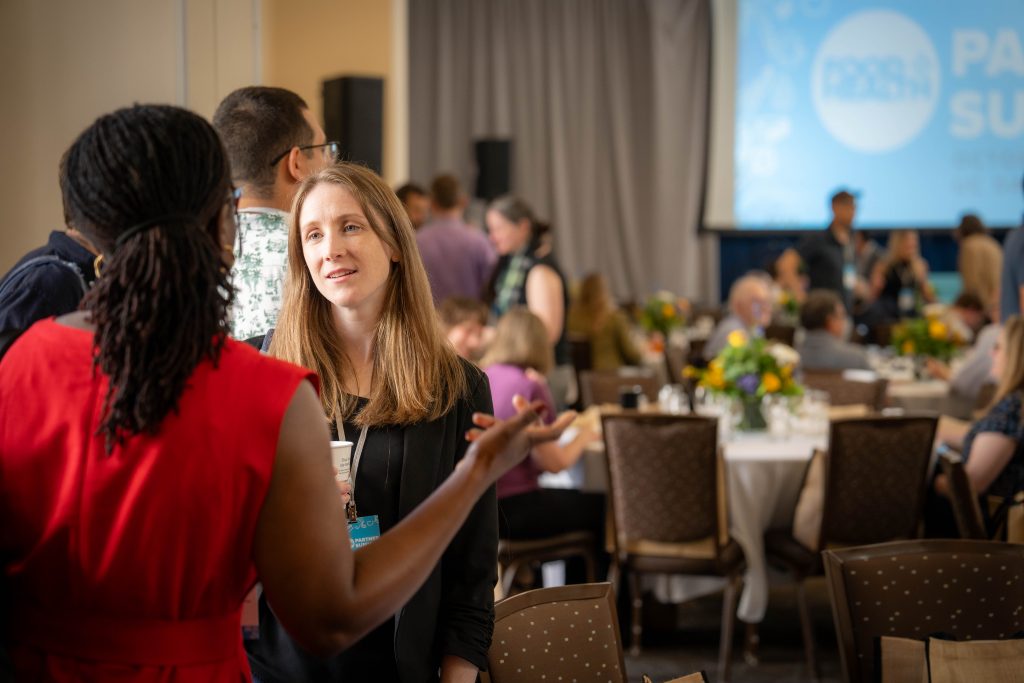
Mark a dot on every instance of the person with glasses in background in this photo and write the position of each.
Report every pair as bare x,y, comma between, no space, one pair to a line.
273,142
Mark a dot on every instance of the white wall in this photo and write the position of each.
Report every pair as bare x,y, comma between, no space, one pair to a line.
65,62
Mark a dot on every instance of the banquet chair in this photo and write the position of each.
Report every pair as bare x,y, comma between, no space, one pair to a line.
567,631
780,333
968,589
512,555
844,391
966,508
875,478
602,386
669,516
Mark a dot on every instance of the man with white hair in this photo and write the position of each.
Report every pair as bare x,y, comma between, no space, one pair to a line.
750,306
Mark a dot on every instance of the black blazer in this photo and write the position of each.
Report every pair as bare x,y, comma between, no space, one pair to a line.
453,612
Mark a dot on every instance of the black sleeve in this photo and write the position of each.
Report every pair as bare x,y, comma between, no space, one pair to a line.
470,565
44,290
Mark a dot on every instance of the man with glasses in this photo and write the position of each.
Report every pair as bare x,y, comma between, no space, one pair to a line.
273,142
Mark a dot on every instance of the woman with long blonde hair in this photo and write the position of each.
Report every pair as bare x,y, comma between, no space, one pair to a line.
900,281
993,447
358,311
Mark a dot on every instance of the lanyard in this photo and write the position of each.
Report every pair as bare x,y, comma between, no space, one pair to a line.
354,469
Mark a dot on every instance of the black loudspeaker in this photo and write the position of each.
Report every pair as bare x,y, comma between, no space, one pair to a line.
354,116
494,168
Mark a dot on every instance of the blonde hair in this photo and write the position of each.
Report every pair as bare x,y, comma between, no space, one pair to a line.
416,374
1013,350
897,240
520,339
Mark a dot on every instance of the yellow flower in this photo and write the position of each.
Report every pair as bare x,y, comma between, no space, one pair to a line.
716,365
937,329
668,310
787,371
715,380
737,338
690,372
771,382
907,348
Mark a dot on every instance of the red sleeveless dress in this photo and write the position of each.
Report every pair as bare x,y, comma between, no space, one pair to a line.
131,566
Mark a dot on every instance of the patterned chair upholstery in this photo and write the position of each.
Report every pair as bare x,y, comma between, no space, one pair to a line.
912,589
603,386
875,481
847,392
561,633
667,494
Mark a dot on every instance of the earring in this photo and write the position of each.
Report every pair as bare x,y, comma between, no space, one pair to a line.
97,265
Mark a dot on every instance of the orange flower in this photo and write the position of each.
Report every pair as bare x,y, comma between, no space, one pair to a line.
668,310
907,348
937,329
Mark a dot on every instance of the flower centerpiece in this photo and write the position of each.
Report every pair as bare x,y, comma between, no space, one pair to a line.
925,337
663,313
748,369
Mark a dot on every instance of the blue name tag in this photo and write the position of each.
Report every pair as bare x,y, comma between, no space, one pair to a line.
364,531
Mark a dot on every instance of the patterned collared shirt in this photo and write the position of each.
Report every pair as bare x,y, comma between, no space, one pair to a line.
259,272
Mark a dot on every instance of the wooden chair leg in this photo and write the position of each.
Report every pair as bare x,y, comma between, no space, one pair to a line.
591,569
728,626
508,577
751,641
807,628
638,604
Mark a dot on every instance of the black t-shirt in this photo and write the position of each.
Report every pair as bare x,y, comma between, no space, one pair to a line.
276,656
825,259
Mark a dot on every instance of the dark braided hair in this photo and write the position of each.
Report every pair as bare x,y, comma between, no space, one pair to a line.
160,307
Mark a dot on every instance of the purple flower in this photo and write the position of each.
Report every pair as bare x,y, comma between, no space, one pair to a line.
748,383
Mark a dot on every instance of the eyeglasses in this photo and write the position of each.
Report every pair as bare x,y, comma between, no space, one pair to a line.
332,148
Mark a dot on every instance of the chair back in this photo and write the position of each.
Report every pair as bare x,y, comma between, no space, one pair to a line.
875,479
565,631
843,391
966,509
580,352
665,481
912,589
603,386
780,333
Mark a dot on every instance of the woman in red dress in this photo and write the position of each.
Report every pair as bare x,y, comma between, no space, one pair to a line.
151,469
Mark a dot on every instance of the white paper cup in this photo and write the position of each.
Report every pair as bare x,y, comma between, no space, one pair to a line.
341,459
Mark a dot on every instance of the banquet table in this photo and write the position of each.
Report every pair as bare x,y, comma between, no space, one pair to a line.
764,475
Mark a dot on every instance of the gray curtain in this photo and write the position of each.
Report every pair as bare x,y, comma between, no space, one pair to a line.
606,103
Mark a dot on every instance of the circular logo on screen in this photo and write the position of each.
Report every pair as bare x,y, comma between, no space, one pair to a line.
875,81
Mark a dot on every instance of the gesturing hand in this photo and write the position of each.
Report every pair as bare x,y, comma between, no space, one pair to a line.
502,444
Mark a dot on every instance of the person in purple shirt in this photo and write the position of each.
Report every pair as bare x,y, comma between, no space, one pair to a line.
458,257
515,364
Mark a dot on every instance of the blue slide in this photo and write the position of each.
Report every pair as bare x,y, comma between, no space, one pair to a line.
917,104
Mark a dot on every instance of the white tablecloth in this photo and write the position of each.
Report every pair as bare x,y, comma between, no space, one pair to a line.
763,480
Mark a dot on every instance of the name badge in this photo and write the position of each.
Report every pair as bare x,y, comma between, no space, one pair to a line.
364,531
849,276
906,300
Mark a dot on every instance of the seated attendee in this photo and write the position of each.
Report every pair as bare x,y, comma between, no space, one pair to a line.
900,282
515,363
416,202
992,447
980,260
464,321
593,315
750,306
824,318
